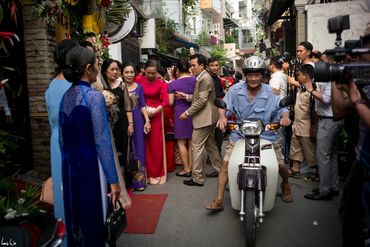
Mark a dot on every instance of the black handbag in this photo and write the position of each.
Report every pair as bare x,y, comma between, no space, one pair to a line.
115,223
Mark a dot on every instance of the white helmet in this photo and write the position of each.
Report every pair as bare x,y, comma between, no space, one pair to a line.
254,64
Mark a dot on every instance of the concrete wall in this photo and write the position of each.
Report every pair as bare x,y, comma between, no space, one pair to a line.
231,55
173,10
318,14
39,47
148,39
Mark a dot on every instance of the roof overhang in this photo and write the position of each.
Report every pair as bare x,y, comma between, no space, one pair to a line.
177,42
164,59
278,7
229,23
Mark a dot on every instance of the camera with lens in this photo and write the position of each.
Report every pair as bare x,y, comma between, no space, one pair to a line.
286,57
342,71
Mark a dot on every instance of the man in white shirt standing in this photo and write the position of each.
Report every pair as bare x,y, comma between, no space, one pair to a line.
278,80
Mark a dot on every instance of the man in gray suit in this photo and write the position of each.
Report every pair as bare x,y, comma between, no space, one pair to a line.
205,116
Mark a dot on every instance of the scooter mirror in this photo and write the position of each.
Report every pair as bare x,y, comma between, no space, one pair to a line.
220,103
286,101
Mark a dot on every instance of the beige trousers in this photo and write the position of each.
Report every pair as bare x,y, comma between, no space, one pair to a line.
204,138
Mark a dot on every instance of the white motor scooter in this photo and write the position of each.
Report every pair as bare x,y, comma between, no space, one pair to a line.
253,171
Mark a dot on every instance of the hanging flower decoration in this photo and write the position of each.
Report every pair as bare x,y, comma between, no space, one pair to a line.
58,11
100,44
81,15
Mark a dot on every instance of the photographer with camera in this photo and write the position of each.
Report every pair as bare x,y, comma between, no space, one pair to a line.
304,50
355,203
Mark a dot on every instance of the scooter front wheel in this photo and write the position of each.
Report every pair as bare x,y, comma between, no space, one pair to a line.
250,219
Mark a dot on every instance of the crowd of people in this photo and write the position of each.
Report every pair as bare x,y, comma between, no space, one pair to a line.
104,116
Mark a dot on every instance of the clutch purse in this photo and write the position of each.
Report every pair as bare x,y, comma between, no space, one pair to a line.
110,98
115,223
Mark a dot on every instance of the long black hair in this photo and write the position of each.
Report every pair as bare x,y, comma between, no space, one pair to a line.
75,62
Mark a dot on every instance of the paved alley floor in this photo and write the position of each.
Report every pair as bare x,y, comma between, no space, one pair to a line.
184,221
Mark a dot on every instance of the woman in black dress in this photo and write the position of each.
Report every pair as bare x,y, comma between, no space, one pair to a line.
120,115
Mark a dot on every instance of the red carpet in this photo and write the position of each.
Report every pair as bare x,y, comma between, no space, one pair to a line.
142,217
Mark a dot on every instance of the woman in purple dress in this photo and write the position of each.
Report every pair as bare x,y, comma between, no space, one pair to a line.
183,128
139,114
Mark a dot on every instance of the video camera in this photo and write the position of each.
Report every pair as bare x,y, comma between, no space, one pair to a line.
341,71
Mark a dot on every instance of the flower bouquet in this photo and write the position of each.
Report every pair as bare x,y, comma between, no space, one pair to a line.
100,44
19,205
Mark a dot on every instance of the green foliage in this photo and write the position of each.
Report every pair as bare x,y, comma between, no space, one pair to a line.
229,39
69,12
219,52
165,30
188,6
52,12
203,38
17,204
183,53
118,12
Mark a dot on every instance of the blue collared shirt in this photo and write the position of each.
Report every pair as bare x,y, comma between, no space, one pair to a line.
261,107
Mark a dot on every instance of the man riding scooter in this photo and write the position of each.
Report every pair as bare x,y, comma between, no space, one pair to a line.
251,99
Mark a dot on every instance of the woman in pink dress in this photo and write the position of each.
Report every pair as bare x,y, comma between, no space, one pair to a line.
156,98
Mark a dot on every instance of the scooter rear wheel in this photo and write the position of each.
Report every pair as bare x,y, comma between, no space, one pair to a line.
250,220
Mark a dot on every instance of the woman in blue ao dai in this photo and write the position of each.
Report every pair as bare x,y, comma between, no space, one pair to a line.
87,154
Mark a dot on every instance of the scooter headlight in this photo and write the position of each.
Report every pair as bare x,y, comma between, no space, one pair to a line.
253,128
